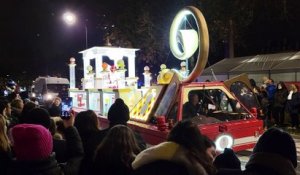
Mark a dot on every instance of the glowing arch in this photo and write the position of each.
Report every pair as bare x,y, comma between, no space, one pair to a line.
190,40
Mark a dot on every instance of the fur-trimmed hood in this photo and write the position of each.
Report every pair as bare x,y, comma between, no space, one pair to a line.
169,151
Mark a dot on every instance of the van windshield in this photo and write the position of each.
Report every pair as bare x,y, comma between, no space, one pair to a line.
57,88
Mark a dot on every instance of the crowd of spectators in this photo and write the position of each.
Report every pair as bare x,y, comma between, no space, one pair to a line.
33,142
280,103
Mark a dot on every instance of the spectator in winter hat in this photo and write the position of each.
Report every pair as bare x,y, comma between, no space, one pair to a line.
31,142
38,116
33,148
118,113
42,117
26,109
274,153
228,160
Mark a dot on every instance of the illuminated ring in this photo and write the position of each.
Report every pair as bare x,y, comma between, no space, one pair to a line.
203,40
221,138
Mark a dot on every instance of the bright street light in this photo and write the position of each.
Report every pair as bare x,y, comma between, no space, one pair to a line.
70,19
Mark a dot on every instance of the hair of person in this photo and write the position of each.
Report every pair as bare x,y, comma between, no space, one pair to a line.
3,105
208,142
282,85
86,123
17,103
293,87
26,109
57,98
252,82
4,141
118,145
52,127
187,134
191,95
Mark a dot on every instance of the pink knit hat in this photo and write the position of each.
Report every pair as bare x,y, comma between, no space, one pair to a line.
31,142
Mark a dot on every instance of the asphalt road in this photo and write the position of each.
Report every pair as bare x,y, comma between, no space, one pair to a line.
244,155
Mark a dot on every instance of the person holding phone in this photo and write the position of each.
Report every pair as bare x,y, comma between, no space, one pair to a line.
66,107
55,108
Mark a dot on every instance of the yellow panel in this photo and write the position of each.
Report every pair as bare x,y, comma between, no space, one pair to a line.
143,108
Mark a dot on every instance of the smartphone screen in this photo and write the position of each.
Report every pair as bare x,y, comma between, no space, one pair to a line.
66,106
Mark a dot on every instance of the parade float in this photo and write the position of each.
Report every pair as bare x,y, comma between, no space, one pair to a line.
102,82
220,114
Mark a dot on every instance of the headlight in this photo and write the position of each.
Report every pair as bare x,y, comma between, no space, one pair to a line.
223,141
49,96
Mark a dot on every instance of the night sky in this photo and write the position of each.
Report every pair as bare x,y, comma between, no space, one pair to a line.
35,41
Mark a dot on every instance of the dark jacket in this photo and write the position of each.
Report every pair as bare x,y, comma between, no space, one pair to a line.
190,110
280,98
269,164
59,147
293,105
111,168
5,159
55,111
263,164
50,166
90,144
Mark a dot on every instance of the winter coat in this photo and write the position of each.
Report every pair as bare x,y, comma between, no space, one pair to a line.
263,164
293,105
5,159
280,98
59,147
269,164
55,111
90,143
190,110
50,166
172,152
271,89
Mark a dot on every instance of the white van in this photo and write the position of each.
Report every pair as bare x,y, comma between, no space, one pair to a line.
47,88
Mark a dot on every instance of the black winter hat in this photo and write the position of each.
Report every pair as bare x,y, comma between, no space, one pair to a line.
118,113
38,116
227,159
277,141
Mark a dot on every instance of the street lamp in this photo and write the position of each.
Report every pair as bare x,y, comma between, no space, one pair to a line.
70,19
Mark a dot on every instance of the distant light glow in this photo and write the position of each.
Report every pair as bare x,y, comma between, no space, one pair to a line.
69,18
49,96
224,141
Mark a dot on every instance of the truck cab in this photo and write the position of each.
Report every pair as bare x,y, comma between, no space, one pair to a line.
219,114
